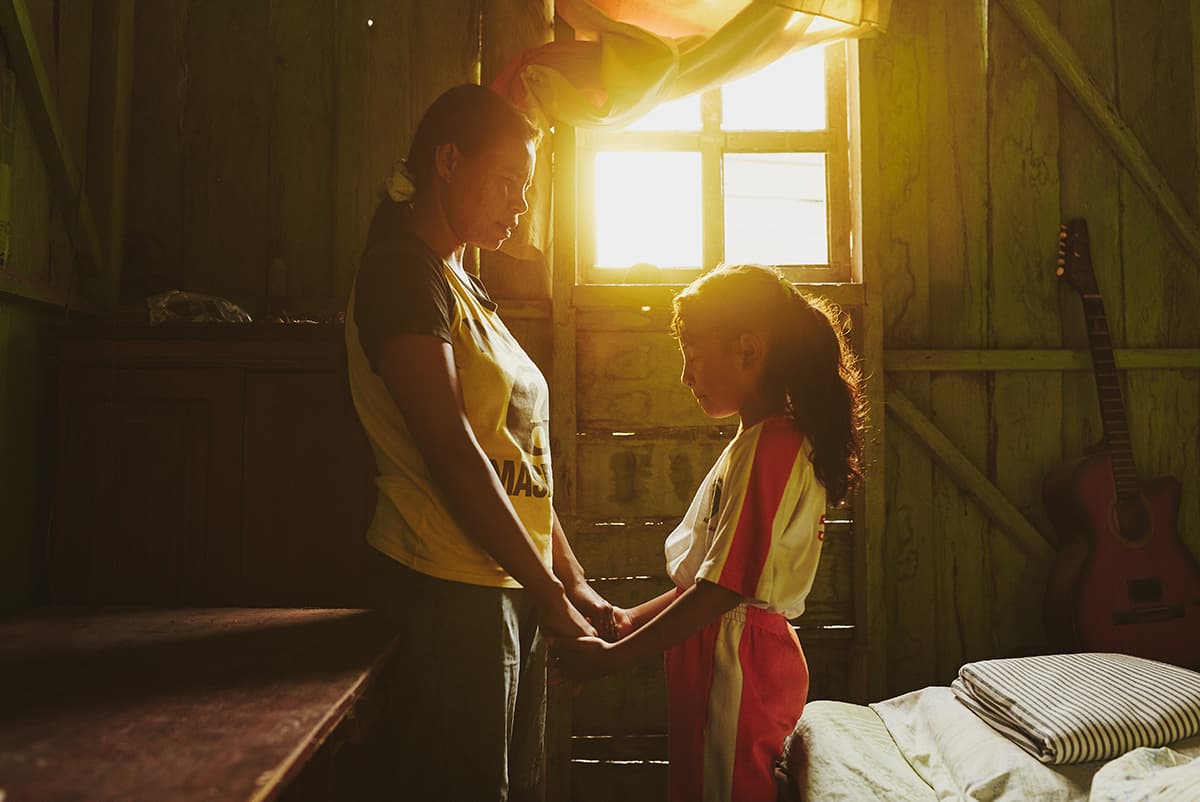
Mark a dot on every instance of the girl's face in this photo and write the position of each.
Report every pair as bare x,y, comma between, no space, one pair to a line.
717,371
485,192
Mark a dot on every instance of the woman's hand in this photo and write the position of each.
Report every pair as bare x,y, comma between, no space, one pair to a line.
582,659
560,619
598,610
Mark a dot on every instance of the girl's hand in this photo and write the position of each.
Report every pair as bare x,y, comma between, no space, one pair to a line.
623,621
581,659
598,610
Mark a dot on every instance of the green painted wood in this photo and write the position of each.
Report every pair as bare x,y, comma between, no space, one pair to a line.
958,172
870,665
631,380
226,115
41,102
24,452
301,178
1042,359
1126,140
653,476
1161,285
901,69
1025,429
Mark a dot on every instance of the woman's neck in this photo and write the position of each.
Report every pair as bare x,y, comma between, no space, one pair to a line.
429,223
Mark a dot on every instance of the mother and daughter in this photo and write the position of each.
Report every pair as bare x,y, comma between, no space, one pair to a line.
472,566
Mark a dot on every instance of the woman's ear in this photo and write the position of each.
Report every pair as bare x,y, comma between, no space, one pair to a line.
445,160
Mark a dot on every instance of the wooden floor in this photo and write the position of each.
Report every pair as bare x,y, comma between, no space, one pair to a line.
180,705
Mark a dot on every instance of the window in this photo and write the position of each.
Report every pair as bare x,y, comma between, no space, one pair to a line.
754,171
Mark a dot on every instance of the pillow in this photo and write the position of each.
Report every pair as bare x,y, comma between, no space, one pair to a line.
1074,708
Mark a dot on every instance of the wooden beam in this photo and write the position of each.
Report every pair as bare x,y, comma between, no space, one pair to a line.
1053,47
998,359
633,296
16,27
564,413
1024,535
108,128
870,664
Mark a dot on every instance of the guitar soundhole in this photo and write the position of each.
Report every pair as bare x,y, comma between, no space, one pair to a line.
1145,591
1132,521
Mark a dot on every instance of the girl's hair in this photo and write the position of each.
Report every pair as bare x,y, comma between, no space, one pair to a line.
809,359
470,116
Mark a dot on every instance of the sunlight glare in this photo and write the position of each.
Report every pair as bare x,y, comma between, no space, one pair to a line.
788,95
775,209
648,209
674,115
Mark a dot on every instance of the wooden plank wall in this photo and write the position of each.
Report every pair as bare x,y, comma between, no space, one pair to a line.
39,284
264,130
981,156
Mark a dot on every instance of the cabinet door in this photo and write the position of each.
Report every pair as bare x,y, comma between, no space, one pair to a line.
309,484
148,499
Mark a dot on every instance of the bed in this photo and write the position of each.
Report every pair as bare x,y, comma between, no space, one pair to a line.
931,745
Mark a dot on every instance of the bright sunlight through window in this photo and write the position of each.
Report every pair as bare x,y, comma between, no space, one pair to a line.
658,222
755,171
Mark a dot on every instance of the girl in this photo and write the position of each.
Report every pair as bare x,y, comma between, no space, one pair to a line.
470,555
744,557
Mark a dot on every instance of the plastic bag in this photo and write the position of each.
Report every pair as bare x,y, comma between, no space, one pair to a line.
177,306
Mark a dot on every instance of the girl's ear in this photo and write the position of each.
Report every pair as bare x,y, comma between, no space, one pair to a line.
753,349
445,160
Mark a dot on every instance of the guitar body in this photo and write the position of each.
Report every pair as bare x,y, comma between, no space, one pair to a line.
1123,581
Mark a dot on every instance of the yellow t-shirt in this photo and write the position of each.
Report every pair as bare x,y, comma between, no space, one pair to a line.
507,404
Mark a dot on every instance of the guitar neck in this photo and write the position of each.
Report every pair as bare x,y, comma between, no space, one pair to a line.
1112,405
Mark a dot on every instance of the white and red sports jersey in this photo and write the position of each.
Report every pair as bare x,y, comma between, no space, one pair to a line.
755,524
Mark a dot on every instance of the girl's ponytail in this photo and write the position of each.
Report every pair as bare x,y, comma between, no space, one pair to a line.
814,364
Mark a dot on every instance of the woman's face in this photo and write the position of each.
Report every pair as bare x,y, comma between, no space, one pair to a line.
485,192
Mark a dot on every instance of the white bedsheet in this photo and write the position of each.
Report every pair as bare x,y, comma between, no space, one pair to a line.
851,756
961,758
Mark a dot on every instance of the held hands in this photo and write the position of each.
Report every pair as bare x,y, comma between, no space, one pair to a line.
581,659
560,618
602,615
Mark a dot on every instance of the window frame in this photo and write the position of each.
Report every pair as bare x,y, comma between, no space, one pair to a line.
713,144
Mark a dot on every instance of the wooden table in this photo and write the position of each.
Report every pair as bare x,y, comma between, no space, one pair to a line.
176,705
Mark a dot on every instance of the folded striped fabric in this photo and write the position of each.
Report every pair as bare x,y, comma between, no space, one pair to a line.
1075,708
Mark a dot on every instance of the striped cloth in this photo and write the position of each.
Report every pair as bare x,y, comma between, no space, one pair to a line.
1075,708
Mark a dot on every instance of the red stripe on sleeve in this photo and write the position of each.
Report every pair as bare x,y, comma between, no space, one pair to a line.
774,458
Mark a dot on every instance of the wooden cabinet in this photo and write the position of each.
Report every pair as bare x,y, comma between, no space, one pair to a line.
208,465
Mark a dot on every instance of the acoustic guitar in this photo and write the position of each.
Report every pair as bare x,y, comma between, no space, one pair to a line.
1123,580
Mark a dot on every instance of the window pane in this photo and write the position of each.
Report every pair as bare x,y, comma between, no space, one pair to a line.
787,95
775,209
648,209
674,115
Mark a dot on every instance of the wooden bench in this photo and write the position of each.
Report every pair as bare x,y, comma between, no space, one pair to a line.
180,705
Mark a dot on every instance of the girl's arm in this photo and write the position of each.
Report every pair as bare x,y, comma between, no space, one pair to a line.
421,377
702,603
646,611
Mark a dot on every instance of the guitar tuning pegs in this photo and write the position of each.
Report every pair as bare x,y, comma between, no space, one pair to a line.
1058,271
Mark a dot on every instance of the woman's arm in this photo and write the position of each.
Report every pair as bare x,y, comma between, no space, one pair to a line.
691,611
607,619
420,375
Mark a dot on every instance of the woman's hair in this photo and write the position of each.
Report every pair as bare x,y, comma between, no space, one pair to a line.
809,359
470,116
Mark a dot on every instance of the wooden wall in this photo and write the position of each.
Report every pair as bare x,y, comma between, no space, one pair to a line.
41,283
981,155
264,130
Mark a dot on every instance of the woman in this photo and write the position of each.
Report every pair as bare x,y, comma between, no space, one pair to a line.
471,553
